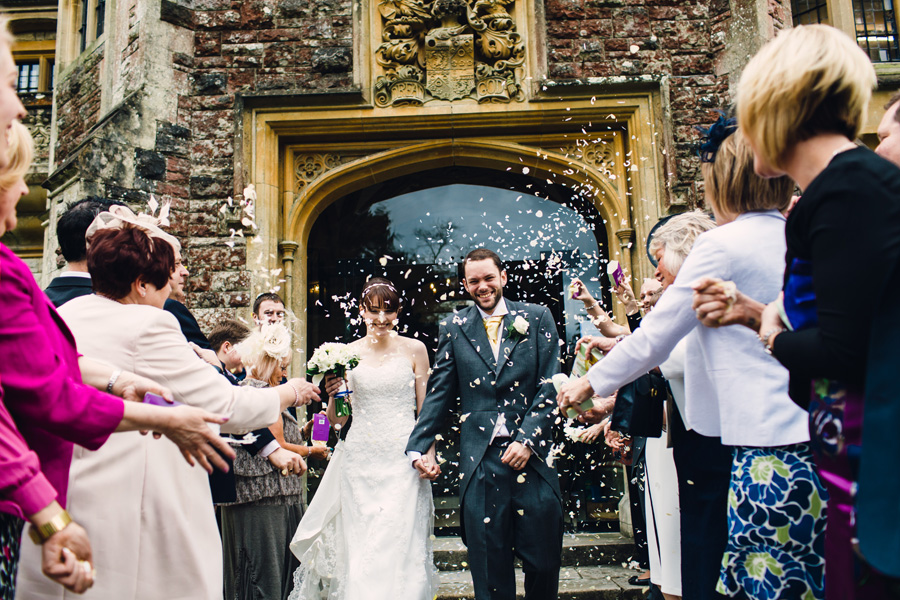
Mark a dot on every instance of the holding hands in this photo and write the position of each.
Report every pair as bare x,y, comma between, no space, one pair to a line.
427,465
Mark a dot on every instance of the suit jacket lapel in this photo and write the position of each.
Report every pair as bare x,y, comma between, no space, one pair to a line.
509,341
473,329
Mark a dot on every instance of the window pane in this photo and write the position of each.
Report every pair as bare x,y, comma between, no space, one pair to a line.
83,30
876,29
101,16
29,76
808,12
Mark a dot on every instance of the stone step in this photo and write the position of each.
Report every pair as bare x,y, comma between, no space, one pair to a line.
579,549
603,582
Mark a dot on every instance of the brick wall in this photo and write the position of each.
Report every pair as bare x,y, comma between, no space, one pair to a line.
672,39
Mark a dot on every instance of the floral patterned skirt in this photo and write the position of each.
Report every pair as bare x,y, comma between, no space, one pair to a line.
10,538
776,526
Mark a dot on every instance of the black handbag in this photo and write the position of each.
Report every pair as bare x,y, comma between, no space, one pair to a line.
639,406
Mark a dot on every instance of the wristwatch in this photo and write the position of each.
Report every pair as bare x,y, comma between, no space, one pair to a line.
42,533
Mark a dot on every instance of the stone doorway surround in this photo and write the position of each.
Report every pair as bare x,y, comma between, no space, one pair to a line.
303,159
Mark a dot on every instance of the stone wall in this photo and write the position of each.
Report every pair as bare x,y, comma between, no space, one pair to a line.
78,102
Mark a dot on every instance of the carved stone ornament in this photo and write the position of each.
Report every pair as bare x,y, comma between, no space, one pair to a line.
598,154
309,167
448,50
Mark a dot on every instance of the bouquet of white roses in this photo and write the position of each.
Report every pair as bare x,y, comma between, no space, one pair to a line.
336,359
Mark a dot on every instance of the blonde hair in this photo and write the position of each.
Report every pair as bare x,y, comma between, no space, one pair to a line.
734,188
809,80
6,37
21,152
264,368
677,237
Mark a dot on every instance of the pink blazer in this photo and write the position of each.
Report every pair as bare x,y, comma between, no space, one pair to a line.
44,406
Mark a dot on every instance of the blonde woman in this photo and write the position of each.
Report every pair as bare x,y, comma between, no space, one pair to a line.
801,102
257,528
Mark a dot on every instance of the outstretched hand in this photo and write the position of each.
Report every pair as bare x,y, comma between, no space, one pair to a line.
307,391
595,342
188,428
719,303
135,386
573,393
626,296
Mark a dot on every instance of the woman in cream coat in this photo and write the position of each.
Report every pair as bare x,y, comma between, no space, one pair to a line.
150,516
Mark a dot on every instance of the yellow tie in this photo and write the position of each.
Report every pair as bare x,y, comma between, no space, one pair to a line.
492,326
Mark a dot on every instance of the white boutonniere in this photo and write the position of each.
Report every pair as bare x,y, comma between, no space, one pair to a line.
518,328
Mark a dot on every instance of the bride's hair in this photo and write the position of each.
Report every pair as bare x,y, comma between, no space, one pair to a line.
380,294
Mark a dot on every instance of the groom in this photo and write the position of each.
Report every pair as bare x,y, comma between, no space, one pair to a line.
497,358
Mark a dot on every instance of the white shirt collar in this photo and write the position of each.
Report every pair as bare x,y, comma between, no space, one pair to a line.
75,274
499,310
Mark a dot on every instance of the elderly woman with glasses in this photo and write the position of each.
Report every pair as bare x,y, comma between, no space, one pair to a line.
151,517
751,502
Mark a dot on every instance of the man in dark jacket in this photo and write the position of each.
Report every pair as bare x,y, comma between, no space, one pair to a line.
75,281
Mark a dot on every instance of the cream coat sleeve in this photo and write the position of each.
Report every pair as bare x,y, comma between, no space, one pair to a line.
164,355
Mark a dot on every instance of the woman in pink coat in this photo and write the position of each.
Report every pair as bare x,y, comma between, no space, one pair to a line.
48,400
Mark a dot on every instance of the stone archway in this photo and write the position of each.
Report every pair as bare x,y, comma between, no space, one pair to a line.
300,215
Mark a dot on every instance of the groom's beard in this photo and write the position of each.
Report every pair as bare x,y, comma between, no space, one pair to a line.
488,303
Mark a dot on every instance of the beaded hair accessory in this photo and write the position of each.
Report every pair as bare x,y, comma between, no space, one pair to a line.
378,284
713,137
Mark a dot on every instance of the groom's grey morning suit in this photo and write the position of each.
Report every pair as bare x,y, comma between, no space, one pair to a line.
503,511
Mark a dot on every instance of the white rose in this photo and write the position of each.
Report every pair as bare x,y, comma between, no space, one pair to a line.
277,342
520,324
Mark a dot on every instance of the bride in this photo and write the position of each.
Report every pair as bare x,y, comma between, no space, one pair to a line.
367,532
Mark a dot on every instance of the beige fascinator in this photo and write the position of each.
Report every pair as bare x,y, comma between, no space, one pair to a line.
273,340
121,217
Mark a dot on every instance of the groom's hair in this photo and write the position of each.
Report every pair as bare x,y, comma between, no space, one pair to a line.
482,254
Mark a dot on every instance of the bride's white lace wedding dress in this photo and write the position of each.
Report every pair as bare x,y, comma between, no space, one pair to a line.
367,532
